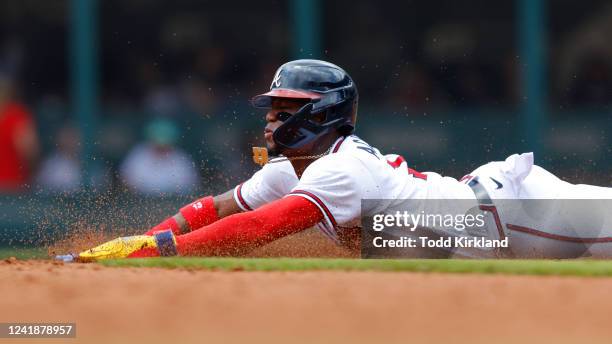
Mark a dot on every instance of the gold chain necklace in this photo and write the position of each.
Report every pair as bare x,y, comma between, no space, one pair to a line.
260,156
304,157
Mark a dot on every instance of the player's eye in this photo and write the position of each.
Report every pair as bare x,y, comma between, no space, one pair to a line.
283,116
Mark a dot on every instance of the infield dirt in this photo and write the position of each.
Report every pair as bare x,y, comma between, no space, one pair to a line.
130,305
136,305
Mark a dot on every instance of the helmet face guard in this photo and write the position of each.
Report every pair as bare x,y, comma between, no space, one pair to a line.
327,89
301,129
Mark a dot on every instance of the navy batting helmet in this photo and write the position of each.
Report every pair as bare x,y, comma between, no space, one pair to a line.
328,90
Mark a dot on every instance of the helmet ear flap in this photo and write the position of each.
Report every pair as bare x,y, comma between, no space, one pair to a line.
349,127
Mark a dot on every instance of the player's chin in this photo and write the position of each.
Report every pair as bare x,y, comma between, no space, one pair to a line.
272,148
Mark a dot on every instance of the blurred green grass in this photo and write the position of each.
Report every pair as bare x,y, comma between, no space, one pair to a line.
599,268
24,253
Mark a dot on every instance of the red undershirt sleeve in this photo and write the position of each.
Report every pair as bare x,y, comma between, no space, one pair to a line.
197,214
238,233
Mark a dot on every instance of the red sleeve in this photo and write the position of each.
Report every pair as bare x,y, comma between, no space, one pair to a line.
235,234
198,213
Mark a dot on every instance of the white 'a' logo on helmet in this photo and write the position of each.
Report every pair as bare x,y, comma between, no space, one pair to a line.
276,82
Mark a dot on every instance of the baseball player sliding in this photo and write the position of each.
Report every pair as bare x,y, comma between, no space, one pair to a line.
323,171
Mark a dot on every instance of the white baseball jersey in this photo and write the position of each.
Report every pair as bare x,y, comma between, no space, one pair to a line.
337,183
354,171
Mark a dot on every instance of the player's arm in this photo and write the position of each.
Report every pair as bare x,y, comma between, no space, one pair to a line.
233,235
239,233
263,187
226,205
303,207
199,213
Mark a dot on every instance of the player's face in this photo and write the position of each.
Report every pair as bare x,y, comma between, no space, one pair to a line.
279,105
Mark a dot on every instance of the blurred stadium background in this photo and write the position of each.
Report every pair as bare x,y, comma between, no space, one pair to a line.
98,89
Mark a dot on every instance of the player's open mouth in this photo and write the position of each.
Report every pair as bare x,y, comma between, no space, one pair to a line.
268,134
